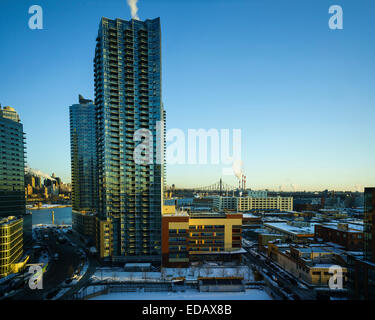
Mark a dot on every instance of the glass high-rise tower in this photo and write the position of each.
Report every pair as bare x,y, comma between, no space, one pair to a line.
83,155
12,170
369,224
361,267
128,98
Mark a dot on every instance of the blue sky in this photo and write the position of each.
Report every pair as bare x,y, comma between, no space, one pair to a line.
302,94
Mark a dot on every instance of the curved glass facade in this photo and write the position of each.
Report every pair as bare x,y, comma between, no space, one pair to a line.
83,156
128,97
12,169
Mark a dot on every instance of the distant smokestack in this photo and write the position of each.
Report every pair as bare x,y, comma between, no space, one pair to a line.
133,8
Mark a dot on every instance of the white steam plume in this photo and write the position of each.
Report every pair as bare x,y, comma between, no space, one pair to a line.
237,169
294,187
133,8
38,173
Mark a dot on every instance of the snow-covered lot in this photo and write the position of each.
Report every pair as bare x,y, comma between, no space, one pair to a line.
117,274
193,273
168,274
252,294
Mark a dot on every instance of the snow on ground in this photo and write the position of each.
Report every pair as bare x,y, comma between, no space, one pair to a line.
49,226
302,286
252,294
338,298
79,276
76,278
92,289
45,206
82,271
193,273
167,274
117,274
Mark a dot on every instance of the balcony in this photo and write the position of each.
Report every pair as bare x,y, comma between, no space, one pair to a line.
113,59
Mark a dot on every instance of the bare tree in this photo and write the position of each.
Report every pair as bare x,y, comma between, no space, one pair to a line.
193,270
250,274
180,272
238,272
208,271
223,272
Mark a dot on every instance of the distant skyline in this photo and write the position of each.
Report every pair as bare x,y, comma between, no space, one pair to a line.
302,94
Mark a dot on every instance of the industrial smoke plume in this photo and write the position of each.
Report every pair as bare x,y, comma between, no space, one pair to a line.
237,169
38,173
133,8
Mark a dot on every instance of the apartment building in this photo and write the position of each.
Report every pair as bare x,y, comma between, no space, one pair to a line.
242,204
189,237
11,244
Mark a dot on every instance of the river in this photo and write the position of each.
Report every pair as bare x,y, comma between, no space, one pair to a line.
44,216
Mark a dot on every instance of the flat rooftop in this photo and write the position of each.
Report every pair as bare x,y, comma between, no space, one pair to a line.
212,214
291,229
8,220
351,227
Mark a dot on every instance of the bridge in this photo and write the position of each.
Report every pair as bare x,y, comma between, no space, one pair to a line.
217,187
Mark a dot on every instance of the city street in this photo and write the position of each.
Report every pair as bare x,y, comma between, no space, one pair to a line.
57,272
282,281
90,271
